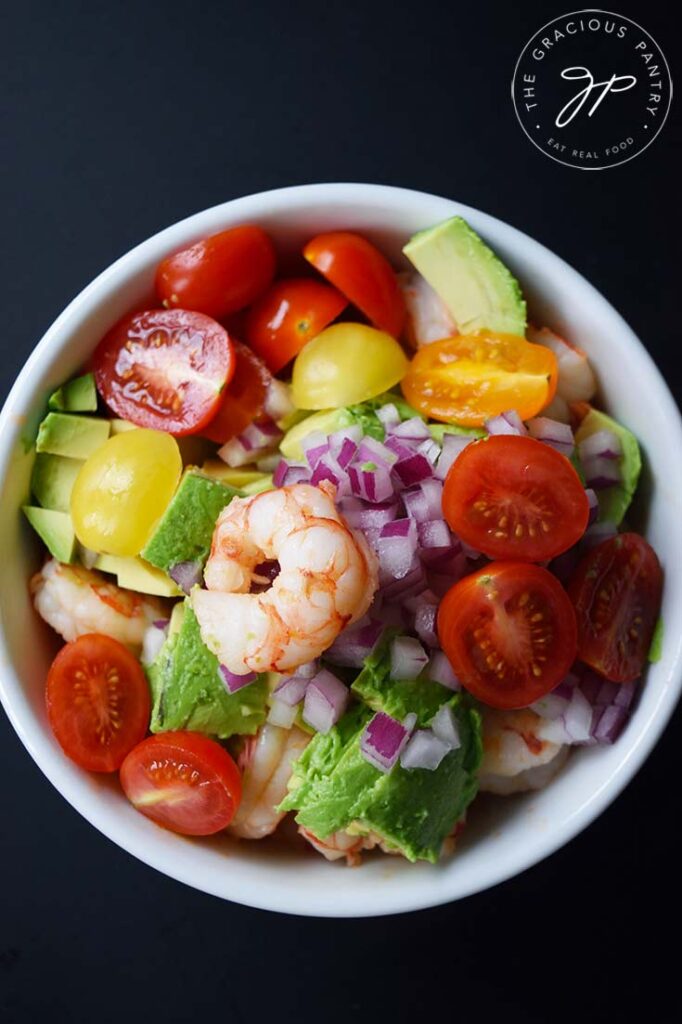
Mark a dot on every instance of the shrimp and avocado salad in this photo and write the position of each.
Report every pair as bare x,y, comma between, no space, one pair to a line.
347,546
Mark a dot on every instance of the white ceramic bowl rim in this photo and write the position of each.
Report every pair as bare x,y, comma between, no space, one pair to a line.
257,882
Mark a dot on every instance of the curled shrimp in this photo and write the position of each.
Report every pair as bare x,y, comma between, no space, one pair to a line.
517,755
75,601
266,761
327,580
351,843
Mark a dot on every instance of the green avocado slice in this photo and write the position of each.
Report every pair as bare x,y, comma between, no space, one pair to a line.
188,690
77,395
614,501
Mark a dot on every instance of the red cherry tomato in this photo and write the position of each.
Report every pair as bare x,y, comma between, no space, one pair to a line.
243,400
164,369
290,313
183,781
509,633
97,702
218,275
366,278
515,497
616,591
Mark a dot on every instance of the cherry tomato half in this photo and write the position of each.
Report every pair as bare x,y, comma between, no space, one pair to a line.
243,400
471,377
287,316
515,497
98,701
183,781
164,369
363,274
509,633
218,275
616,591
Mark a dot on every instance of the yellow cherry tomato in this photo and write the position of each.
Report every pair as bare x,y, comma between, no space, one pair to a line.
471,377
123,489
346,364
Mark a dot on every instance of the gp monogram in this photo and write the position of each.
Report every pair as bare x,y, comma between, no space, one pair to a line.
591,89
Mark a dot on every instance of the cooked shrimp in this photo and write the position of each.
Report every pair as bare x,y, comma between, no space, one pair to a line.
75,601
576,381
266,761
517,755
428,318
351,843
328,577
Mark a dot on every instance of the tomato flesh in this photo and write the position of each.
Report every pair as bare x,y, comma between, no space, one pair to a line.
616,591
363,274
509,633
164,369
97,701
220,274
184,782
289,315
244,398
515,497
472,377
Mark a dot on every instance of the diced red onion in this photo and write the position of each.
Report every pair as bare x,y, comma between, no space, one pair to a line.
389,614
314,446
296,474
440,671
186,575
430,449
413,469
453,446
234,682
424,502
280,473
444,726
371,450
261,435
327,468
602,444
550,706
435,534
161,624
397,548
326,699
235,454
354,644
424,750
408,658
558,435
601,472
153,640
291,689
414,429
593,503
597,533
343,444
388,416
400,447
383,741
281,714
278,403
411,584
370,517
425,608
371,484
506,423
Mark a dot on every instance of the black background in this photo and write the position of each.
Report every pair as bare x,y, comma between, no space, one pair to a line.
122,118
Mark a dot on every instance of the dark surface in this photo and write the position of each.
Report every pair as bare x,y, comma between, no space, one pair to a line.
122,118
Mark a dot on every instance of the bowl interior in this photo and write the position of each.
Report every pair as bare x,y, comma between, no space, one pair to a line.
503,836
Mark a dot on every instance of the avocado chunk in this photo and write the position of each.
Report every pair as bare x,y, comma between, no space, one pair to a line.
52,480
77,395
329,420
121,426
75,437
188,690
614,501
474,284
238,478
136,574
333,787
185,530
55,529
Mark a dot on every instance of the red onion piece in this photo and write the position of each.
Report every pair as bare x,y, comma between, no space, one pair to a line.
408,658
601,472
292,689
373,485
506,423
354,644
453,445
593,503
186,575
597,533
425,612
314,446
368,517
327,468
413,469
295,474
430,449
383,741
413,583
435,534
444,726
234,682
440,671
557,435
602,444
281,714
424,750
388,416
397,549
414,429
326,699
371,450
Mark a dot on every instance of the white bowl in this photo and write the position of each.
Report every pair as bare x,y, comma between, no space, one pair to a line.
504,837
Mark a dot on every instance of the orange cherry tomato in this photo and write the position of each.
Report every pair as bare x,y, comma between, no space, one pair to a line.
287,316
509,633
363,274
220,274
98,701
243,400
515,497
471,377
184,782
